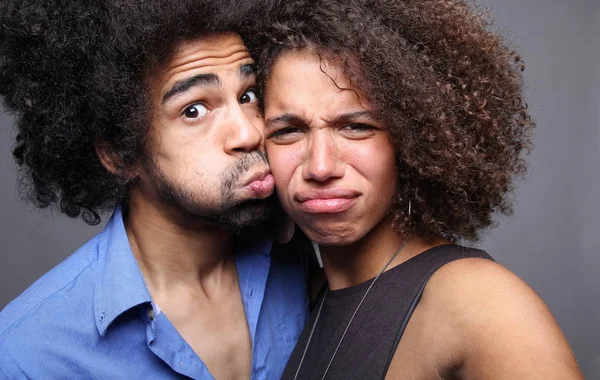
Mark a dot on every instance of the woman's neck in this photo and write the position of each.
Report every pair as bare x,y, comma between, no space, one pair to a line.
352,264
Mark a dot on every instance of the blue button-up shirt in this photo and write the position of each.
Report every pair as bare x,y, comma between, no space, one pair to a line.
92,316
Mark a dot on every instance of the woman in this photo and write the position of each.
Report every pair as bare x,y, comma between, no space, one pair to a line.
394,129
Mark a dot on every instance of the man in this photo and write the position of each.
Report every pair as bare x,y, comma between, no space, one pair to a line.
150,109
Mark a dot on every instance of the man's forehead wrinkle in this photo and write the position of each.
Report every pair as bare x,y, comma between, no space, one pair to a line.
211,66
206,62
207,46
206,52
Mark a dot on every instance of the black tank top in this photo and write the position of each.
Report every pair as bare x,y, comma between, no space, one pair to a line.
373,336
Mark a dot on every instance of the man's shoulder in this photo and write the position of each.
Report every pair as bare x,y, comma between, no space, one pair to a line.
57,292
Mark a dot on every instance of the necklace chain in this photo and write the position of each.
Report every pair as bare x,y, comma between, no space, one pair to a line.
312,330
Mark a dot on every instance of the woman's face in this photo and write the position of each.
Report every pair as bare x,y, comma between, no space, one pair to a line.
333,163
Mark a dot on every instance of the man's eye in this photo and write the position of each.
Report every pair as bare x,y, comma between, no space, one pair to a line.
248,97
195,111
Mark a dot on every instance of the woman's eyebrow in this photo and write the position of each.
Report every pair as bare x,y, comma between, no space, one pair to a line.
285,118
346,117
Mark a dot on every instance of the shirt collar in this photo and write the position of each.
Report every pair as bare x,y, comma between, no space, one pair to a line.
120,285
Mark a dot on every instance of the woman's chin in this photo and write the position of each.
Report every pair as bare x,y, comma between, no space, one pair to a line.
332,236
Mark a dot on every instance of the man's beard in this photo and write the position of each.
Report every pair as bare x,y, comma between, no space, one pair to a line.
229,212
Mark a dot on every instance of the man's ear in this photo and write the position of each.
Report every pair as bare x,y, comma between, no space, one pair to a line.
112,162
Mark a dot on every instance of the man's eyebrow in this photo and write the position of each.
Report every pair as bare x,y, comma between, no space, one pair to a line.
347,117
246,70
200,80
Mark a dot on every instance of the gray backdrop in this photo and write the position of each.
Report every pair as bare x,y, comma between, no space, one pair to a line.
552,240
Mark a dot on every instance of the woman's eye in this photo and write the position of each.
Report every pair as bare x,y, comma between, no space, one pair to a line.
284,135
248,97
195,111
358,130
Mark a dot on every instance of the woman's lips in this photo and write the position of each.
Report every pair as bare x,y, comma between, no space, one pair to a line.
326,201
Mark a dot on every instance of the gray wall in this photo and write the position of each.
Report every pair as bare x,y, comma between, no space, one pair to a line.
31,241
552,240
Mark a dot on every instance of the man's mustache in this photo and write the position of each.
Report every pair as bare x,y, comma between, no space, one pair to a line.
245,162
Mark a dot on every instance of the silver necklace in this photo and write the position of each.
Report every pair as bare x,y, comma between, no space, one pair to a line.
312,330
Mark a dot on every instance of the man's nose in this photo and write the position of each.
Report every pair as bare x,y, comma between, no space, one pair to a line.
244,131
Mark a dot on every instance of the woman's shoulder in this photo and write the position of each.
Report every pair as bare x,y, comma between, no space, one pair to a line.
500,321
482,292
475,277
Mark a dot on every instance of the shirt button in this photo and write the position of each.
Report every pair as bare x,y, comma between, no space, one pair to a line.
151,314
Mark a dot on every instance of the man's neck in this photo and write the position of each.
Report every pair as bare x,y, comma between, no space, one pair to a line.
174,253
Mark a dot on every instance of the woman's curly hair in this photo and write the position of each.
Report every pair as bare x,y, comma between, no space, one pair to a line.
448,89
73,74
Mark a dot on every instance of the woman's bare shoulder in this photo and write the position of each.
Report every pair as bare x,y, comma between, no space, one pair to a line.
503,327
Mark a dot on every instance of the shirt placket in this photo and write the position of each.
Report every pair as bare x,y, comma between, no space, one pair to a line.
166,343
253,271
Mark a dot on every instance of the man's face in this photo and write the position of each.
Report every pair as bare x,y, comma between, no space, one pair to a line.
204,155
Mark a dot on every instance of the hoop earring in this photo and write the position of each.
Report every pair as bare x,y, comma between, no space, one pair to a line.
409,208
317,253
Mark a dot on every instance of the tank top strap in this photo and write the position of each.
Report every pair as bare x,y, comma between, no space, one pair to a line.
423,266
